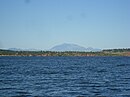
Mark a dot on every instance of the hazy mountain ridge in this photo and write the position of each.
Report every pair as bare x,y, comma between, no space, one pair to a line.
72,47
19,49
61,47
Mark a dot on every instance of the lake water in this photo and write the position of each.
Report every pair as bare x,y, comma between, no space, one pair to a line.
64,76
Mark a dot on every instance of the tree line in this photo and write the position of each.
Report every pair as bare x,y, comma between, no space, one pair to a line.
109,52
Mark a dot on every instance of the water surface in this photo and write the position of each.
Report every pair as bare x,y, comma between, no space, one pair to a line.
64,76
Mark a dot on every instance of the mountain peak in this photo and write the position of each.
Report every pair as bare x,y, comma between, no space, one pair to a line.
70,47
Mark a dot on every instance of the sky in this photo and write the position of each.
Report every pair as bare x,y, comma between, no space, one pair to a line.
42,24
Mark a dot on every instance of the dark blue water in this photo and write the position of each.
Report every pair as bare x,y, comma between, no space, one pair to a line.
64,76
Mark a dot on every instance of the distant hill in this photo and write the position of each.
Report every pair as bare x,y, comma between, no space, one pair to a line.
72,47
14,49
19,49
62,47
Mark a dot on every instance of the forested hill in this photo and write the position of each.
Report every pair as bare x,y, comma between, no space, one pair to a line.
108,52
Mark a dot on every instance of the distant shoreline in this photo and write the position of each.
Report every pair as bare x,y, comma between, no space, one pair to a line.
110,52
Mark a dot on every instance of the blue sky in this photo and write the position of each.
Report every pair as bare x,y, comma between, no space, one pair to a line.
42,24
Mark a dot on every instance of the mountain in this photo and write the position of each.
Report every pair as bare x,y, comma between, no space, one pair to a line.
14,49
68,47
72,47
62,47
90,49
19,49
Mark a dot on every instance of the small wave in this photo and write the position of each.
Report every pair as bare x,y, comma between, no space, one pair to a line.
123,65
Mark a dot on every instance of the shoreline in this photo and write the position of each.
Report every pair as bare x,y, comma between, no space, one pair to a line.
113,52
